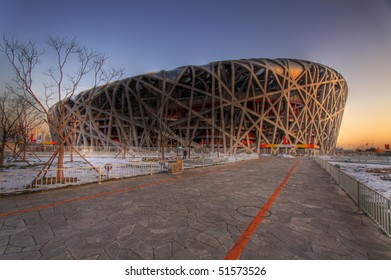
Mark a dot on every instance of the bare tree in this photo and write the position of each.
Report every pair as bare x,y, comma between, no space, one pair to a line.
9,118
28,119
73,64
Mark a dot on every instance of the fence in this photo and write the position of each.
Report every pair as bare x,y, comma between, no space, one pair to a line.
126,170
363,159
16,181
201,162
377,206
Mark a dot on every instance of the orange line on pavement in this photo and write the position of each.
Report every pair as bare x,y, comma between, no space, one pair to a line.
237,249
45,206
40,207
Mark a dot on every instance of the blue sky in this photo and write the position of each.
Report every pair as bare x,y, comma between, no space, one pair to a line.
351,36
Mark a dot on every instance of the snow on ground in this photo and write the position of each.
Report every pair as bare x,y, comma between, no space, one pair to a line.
100,160
19,176
285,156
374,176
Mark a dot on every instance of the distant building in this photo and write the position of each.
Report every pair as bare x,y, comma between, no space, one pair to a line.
235,105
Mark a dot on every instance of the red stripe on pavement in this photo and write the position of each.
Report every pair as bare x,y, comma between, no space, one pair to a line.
237,249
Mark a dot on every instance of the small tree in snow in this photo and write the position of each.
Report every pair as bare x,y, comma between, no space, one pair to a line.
73,63
9,118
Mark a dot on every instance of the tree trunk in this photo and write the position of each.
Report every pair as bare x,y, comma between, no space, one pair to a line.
14,152
60,163
162,147
124,148
71,155
2,150
24,149
71,151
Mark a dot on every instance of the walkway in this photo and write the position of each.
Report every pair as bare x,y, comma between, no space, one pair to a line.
200,214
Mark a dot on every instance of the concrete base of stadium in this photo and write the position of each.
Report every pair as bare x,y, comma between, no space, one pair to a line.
199,214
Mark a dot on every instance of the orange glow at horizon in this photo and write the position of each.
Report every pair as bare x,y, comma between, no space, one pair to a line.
365,128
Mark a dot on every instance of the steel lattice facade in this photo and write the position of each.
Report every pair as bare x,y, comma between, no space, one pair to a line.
231,105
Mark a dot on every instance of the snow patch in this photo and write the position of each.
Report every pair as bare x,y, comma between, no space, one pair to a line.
285,156
374,176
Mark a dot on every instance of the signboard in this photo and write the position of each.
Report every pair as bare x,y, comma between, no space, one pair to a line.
297,146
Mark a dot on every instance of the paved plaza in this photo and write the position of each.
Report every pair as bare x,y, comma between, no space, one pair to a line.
199,214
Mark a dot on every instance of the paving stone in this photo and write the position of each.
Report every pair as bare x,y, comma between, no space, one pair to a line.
112,248
15,256
4,240
249,255
340,235
163,252
155,240
131,241
125,232
110,230
88,251
32,221
75,241
302,225
320,223
351,252
58,252
15,222
13,249
35,255
103,256
299,248
32,248
274,252
65,232
141,232
126,254
164,230
204,238
215,232
226,241
24,241
95,238
379,255
386,239
202,250
181,236
182,253
13,231
234,232
199,226
59,223
143,250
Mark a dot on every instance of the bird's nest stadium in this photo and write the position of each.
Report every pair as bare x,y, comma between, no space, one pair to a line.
231,106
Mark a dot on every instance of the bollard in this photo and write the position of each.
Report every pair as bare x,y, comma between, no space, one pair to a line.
100,175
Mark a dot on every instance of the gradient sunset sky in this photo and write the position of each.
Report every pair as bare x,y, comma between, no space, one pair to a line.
351,36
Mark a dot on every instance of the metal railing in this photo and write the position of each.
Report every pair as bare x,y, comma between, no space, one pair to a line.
202,162
374,204
16,181
217,159
131,169
362,159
